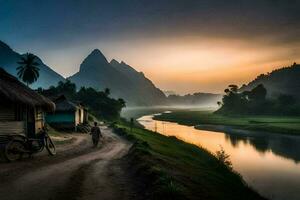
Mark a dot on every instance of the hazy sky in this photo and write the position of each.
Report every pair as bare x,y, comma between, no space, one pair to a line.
182,45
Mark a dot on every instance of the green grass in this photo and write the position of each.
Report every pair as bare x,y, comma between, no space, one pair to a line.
177,170
277,124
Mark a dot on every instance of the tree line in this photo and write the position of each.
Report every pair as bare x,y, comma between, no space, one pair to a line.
99,103
255,102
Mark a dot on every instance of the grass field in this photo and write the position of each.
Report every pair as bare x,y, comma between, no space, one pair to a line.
178,170
285,125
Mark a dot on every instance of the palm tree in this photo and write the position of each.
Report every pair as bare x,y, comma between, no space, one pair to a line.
28,70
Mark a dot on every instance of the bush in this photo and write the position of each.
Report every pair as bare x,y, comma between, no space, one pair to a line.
224,158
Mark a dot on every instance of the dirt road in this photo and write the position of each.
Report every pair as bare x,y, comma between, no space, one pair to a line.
77,172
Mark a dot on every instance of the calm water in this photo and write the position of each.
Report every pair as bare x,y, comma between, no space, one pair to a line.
268,162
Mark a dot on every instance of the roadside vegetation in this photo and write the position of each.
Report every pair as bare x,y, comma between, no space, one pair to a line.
276,124
172,169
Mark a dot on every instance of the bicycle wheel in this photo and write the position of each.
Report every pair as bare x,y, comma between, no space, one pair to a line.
50,146
14,150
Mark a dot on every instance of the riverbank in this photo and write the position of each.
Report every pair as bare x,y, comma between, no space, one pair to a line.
172,169
272,124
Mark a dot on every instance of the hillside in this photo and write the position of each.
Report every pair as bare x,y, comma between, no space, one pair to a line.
281,81
9,59
123,81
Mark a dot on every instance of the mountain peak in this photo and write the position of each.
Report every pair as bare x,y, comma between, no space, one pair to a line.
114,62
96,52
94,60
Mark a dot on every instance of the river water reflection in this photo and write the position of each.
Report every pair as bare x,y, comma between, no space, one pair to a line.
268,162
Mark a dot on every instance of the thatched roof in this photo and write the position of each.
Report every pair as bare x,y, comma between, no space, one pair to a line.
63,104
13,90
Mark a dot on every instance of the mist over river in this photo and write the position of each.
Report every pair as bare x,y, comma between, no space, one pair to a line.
269,163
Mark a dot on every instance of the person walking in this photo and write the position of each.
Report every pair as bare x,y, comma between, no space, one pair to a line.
96,134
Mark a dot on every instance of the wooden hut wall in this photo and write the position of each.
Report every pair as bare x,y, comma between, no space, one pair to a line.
12,127
61,120
7,112
8,122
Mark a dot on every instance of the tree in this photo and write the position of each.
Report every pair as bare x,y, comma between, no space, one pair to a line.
107,91
67,88
258,93
122,102
233,88
28,70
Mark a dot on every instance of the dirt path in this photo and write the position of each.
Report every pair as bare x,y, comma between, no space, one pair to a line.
73,174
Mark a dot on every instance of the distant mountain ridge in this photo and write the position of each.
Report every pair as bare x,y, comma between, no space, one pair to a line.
285,80
123,80
9,59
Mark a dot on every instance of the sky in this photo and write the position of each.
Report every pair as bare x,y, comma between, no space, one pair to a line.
181,45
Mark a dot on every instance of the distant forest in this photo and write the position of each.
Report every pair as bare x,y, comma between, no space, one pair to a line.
280,81
275,93
255,102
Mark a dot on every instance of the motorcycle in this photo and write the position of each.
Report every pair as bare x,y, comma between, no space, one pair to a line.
15,146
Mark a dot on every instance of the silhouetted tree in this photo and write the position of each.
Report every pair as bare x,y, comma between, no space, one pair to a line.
67,88
107,91
28,70
233,88
258,93
247,102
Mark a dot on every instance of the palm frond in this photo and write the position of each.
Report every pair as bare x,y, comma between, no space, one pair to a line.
28,71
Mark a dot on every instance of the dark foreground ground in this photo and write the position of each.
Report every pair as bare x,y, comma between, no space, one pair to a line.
77,172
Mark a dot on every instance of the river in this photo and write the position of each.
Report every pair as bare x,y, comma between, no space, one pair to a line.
269,163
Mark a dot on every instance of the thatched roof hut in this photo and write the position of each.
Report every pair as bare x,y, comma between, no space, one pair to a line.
63,104
11,89
68,114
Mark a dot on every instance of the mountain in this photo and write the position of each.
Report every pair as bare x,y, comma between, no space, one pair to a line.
9,59
123,80
285,80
